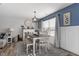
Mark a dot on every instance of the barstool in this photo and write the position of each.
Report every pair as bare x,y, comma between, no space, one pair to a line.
28,45
43,43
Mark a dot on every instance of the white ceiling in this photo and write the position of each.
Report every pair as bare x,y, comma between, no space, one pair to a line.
25,10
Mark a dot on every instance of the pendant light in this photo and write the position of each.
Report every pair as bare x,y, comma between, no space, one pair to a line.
34,18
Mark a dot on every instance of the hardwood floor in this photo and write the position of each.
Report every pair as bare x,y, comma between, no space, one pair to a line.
8,50
18,49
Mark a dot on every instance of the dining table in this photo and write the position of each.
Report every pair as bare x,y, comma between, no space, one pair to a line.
34,41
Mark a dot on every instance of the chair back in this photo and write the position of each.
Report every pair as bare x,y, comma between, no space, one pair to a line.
44,40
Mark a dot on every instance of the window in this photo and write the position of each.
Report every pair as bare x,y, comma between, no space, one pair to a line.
45,25
49,26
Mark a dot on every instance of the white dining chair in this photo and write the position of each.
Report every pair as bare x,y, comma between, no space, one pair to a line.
28,45
43,43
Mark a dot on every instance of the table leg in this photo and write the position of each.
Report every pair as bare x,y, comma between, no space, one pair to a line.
34,48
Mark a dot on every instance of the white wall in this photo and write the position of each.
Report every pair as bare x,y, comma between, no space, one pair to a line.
70,38
11,22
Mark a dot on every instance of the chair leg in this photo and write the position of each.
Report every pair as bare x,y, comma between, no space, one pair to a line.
27,49
39,49
46,49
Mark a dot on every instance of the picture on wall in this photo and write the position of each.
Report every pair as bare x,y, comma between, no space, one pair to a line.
66,19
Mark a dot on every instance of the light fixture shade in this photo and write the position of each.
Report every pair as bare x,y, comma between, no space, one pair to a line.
34,19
